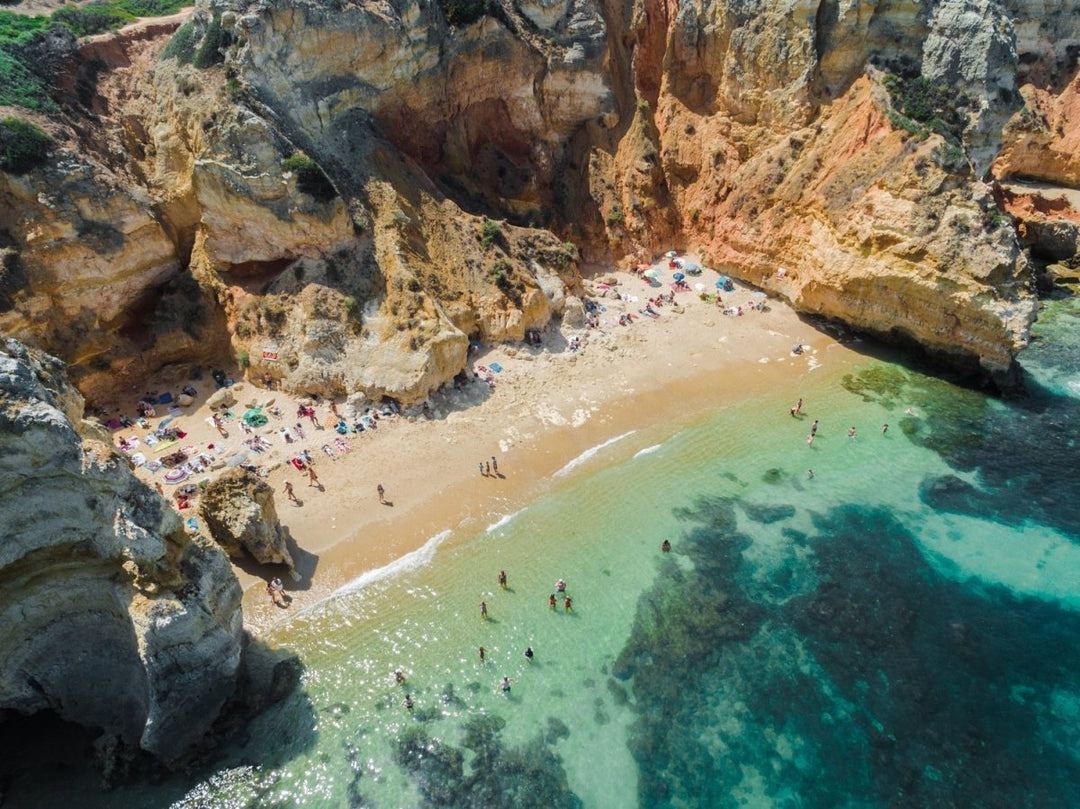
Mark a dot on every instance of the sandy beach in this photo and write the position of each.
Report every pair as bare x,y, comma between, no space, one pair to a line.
547,406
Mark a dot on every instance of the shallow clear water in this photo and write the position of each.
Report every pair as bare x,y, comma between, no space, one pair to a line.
901,629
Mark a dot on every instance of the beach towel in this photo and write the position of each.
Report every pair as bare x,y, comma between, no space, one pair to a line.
153,466
341,444
164,398
138,459
174,476
113,424
299,464
192,524
496,367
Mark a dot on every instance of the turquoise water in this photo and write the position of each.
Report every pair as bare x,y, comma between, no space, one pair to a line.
900,629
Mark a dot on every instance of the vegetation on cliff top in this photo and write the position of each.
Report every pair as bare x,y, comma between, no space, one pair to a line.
23,146
32,46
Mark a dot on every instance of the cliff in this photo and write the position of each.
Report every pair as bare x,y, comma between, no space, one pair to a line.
358,189
114,618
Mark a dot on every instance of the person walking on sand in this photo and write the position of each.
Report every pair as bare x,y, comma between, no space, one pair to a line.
482,472
382,493
483,610
487,468
313,479
289,491
494,465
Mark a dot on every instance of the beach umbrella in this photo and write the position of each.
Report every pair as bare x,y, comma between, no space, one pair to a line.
692,267
720,282
671,254
653,273
678,276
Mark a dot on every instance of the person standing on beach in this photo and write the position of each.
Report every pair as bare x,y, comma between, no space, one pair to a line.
482,472
851,431
289,490
483,610
502,579
487,468
884,429
568,604
481,654
382,493
551,601
809,474
494,465
813,428
313,479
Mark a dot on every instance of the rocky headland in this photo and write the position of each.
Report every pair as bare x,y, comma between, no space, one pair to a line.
342,195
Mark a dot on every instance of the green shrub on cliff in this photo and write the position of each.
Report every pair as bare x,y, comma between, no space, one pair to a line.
23,146
212,49
182,45
930,104
310,177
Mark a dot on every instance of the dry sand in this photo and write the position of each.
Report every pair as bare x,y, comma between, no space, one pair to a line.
548,405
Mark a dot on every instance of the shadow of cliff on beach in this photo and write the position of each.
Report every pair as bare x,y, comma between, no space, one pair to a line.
305,564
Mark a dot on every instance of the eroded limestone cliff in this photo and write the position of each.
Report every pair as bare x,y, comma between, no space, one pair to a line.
113,617
357,189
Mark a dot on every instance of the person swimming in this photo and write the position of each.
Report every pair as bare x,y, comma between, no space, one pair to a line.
528,653
505,685
665,546
560,586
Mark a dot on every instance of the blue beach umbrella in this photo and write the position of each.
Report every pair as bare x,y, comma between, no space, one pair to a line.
678,276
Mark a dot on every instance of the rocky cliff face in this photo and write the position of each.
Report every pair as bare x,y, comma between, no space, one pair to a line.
319,195
114,618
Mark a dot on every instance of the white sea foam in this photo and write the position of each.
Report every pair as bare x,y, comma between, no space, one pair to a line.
503,520
589,453
647,450
411,561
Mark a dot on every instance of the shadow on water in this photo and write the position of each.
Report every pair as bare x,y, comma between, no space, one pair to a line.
882,684
268,722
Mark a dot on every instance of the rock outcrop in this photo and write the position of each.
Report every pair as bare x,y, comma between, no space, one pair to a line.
114,618
345,196
238,508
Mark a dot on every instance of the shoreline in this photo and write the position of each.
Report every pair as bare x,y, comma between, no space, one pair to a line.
547,408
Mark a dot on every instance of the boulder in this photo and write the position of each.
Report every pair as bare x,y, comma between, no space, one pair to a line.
240,515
